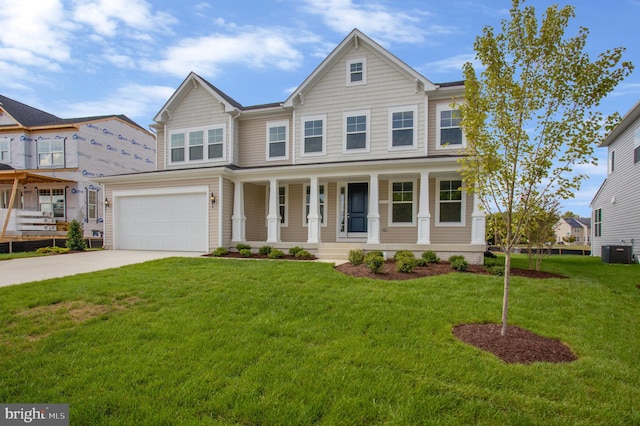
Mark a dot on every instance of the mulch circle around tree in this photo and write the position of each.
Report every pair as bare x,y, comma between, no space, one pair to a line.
519,346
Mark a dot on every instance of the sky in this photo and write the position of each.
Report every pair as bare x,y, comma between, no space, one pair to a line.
78,58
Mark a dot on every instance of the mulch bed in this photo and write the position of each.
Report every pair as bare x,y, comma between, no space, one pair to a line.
389,271
519,346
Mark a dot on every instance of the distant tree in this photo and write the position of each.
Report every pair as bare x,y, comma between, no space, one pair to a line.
75,239
531,116
540,230
569,213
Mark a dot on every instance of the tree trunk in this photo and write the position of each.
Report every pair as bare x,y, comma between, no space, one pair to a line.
505,298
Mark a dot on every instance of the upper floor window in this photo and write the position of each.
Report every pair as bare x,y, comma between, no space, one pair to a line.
636,144
356,72
92,204
203,144
356,131
402,203
277,140
450,203
4,150
448,132
314,133
402,128
321,204
50,152
612,161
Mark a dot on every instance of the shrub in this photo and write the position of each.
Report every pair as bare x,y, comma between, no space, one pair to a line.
265,250
276,254
246,252
294,250
356,257
496,270
75,239
52,250
459,263
303,254
405,261
374,261
241,246
430,257
377,253
220,251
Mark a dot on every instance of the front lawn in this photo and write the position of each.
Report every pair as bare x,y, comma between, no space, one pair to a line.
223,341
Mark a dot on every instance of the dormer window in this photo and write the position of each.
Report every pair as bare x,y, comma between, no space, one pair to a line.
356,72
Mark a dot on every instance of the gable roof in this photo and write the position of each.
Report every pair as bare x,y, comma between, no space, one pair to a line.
356,37
629,118
30,117
578,222
229,103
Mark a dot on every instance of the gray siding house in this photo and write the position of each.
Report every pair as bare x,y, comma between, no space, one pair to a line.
616,206
362,154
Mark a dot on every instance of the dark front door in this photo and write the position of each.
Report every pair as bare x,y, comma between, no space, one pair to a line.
357,207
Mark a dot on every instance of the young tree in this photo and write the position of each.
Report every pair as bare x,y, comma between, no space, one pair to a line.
531,115
540,230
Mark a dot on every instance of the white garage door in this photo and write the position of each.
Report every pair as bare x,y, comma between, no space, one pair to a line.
162,222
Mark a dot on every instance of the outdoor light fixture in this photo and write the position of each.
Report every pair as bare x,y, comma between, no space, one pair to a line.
213,199
107,203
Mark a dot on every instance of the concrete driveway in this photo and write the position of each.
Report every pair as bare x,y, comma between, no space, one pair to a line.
18,271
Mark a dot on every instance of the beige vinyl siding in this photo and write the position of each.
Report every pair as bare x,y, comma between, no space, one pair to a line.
227,212
253,142
295,231
255,212
388,86
160,149
396,234
619,198
198,108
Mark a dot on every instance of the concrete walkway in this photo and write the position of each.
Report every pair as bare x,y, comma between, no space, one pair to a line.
18,271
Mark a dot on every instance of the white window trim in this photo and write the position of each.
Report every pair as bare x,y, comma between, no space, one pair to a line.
286,205
463,207
306,118
345,115
403,108
364,72
8,151
413,204
281,123
94,204
50,141
611,161
205,146
323,222
446,107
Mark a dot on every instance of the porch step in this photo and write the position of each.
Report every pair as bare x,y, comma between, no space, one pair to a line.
336,251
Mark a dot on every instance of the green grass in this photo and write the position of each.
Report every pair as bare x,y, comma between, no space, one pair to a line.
220,341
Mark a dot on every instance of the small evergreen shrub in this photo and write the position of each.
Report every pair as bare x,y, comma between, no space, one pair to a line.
220,251
52,250
245,252
303,254
356,257
294,250
459,263
276,254
377,253
405,261
241,246
496,270
265,250
75,239
374,261
430,257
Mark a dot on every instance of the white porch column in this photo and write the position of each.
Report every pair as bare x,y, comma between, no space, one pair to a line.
373,234
313,231
424,216
478,224
238,220
273,217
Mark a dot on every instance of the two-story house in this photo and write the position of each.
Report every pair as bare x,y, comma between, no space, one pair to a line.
362,154
48,165
574,230
616,206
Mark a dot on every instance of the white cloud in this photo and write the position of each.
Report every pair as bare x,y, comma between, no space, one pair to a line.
106,16
376,20
453,63
134,100
253,47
